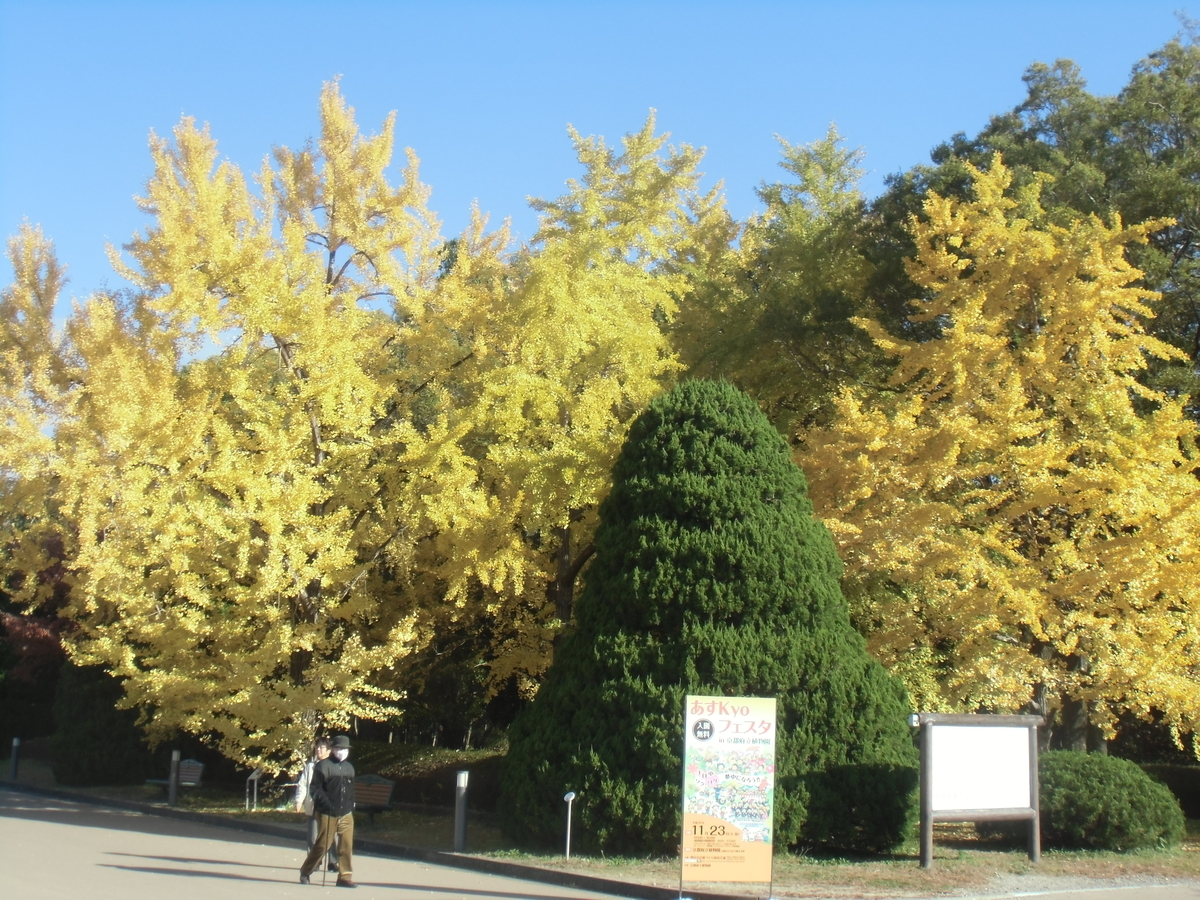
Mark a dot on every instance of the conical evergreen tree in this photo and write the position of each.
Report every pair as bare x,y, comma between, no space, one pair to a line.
711,576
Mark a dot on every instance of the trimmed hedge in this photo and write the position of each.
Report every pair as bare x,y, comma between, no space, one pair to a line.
95,743
1098,802
427,775
1182,781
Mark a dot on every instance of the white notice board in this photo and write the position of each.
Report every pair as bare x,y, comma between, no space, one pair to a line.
980,767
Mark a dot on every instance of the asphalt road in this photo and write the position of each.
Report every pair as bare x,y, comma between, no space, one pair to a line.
60,849
56,849
1130,892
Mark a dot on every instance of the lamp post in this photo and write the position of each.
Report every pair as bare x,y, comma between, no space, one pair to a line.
570,796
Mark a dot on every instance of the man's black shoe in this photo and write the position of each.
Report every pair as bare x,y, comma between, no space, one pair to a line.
344,882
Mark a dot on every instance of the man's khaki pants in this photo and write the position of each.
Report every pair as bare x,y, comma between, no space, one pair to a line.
330,826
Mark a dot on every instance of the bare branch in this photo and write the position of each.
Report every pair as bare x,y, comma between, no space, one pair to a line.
374,294
369,563
346,265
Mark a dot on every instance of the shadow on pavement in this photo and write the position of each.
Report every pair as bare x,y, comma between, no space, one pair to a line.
210,862
14,805
191,873
463,892
23,806
232,876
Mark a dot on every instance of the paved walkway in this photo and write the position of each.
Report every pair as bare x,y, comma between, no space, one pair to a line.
1131,892
57,849
78,851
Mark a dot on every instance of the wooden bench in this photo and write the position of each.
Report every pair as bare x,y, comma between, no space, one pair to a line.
372,794
190,773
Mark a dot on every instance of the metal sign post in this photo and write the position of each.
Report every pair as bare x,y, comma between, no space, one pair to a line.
173,779
254,777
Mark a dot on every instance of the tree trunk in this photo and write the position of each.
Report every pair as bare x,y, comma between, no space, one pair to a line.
1039,705
561,591
1073,730
1096,742
298,664
562,588
303,610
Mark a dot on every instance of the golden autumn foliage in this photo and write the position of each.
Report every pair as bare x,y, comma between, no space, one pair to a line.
575,352
316,438
223,439
1019,516
774,315
315,433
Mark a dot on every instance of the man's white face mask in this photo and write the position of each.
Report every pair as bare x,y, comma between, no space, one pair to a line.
340,754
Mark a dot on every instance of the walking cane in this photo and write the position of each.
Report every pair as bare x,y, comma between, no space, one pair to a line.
324,861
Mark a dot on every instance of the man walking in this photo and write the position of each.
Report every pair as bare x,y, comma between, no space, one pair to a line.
332,792
322,747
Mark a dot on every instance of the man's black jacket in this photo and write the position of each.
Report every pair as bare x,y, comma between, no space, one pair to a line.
332,787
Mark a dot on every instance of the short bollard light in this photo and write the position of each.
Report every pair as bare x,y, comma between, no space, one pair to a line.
570,796
173,779
460,812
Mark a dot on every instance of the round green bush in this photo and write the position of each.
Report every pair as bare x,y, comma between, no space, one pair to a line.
711,576
1098,802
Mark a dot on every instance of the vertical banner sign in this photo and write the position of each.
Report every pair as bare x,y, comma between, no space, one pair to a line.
728,788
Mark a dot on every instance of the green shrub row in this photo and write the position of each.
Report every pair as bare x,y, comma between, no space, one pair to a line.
1091,801
94,742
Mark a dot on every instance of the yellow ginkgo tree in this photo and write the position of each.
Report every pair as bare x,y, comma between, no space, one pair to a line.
233,457
315,437
1019,514
577,343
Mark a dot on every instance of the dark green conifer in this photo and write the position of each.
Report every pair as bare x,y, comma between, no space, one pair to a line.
711,576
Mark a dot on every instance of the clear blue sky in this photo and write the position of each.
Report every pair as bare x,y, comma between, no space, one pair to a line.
484,91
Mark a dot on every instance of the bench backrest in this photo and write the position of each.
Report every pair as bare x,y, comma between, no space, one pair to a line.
190,771
371,790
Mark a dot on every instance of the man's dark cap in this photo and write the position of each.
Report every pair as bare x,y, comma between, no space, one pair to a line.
341,742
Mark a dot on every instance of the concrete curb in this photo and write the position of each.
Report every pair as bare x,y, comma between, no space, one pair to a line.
392,851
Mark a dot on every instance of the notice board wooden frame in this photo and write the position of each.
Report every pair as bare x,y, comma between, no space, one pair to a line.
1032,814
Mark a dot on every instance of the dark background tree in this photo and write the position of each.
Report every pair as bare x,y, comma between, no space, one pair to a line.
30,658
448,700
96,743
31,655
1136,155
775,318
